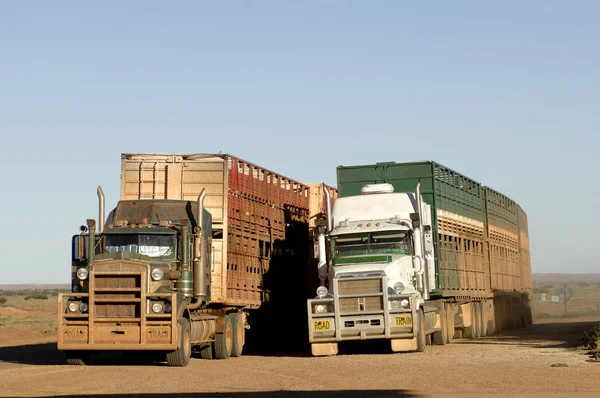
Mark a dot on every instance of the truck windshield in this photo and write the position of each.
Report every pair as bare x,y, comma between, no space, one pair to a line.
150,245
388,242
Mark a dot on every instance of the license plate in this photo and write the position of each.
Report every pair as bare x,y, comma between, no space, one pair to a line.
75,334
404,320
321,325
158,335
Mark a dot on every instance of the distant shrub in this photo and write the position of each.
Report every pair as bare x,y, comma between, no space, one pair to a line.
36,296
548,286
28,292
3,300
592,338
583,284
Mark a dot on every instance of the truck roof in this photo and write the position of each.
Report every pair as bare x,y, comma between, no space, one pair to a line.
155,211
373,207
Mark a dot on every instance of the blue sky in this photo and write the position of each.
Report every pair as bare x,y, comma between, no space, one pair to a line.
506,93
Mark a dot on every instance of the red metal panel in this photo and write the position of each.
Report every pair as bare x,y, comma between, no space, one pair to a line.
259,203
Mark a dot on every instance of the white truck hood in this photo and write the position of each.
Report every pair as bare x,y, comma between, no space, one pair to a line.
400,269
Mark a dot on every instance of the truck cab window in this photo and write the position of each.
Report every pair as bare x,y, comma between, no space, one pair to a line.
391,243
150,245
385,242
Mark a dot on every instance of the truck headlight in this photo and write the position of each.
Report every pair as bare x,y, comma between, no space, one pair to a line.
405,303
83,307
395,304
82,273
73,306
157,307
157,274
398,287
323,308
322,291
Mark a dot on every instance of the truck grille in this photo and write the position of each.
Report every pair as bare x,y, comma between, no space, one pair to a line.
360,304
117,290
117,282
360,286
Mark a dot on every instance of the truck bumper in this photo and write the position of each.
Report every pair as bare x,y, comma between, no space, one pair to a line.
384,323
104,328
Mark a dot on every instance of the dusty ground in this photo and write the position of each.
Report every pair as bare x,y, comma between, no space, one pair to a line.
510,364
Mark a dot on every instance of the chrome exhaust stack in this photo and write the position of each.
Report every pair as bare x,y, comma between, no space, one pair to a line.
328,207
199,271
101,207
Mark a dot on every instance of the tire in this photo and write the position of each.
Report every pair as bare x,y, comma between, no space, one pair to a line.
470,332
450,323
421,341
458,334
207,351
224,340
516,319
77,358
181,356
497,319
491,326
482,322
237,326
441,336
476,319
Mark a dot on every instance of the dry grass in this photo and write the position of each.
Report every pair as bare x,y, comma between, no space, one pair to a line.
34,315
585,301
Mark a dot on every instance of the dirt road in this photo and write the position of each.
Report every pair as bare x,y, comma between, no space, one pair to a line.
510,364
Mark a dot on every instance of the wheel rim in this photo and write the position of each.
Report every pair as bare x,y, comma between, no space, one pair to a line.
240,334
450,323
475,320
228,338
444,324
187,348
422,329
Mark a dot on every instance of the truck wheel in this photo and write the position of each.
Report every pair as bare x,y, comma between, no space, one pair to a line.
77,358
470,332
421,341
237,326
515,318
482,321
450,323
181,356
207,351
440,337
491,326
476,319
224,340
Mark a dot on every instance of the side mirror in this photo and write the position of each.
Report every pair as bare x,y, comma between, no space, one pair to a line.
79,248
414,217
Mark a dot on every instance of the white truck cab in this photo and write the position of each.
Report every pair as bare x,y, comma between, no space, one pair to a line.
379,269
